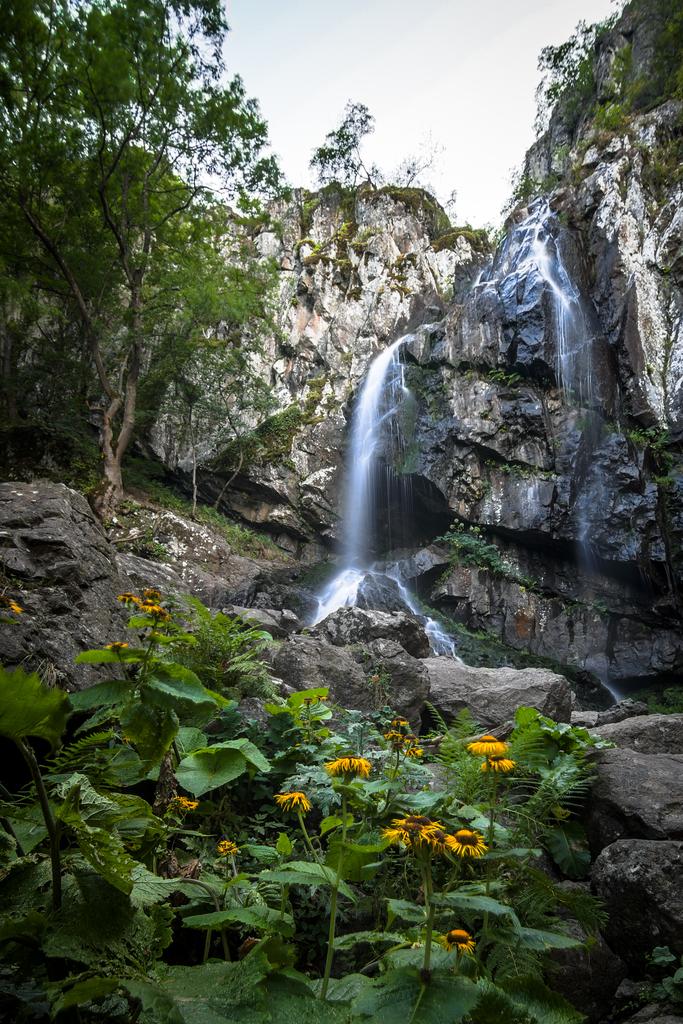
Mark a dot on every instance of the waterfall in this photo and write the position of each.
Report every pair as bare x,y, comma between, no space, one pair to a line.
375,432
530,248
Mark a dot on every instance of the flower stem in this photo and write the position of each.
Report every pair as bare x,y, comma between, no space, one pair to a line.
333,907
427,876
307,838
50,824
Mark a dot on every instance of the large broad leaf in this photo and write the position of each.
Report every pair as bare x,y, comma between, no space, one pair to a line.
112,656
215,766
151,730
404,910
475,904
536,938
402,995
372,938
105,852
568,846
302,872
28,708
539,1003
178,689
258,916
106,694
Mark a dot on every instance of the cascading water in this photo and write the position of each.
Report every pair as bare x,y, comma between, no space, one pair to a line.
530,249
375,433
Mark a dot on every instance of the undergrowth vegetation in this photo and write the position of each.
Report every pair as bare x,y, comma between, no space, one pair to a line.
167,859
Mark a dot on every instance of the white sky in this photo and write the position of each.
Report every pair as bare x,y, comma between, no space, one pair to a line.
460,71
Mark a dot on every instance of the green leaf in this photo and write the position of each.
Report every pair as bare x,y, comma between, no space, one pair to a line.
105,852
28,708
151,730
536,938
475,904
568,846
129,655
90,990
373,938
105,694
540,1004
284,845
257,916
404,910
334,821
401,995
215,766
301,872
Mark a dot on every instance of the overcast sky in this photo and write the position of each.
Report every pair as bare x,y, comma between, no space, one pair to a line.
459,71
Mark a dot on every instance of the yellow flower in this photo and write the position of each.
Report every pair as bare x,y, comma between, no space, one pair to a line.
418,833
151,594
458,938
498,763
358,766
294,801
226,848
399,723
128,599
8,602
487,745
118,645
150,608
466,843
182,803
412,749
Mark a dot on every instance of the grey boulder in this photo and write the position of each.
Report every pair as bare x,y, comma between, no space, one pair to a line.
360,625
636,796
493,694
640,884
648,734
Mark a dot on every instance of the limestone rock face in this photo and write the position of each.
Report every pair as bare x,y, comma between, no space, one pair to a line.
359,625
639,881
635,796
493,695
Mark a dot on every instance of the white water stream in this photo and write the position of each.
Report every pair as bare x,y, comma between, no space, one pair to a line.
375,430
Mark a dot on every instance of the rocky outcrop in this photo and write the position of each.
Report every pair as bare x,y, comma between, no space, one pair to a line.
639,882
649,734
57,563
61,570
358,625
587,975
364,678
635,796
493,695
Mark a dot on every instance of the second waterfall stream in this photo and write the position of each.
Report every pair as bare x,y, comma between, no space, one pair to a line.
375,434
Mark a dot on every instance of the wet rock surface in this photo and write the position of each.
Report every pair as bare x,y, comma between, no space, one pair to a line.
359,625
639,881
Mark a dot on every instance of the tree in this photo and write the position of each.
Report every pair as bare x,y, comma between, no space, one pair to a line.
339,158
119,133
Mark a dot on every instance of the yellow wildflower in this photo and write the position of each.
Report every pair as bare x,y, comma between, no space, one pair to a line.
8,602
226,848
182,803
151,594
498,763
467,843
118,645
418,832
487,745
129,599
294,801
350,765
458,938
